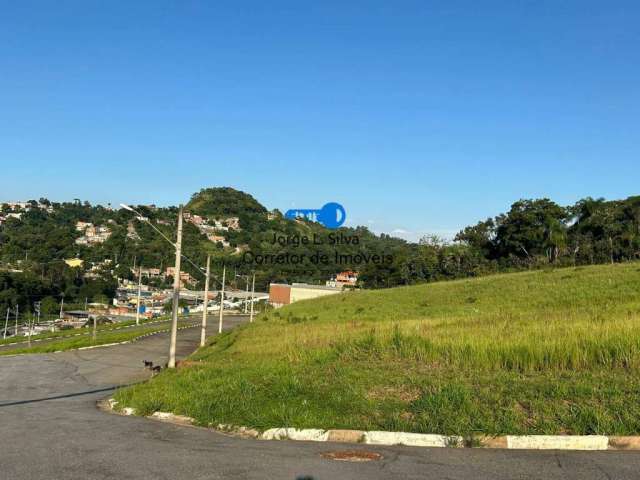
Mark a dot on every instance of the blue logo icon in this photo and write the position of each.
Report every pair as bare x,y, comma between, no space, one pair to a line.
332,215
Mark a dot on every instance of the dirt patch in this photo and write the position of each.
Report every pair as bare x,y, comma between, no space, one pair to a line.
407,416
403,393
352,456
525,410
187,364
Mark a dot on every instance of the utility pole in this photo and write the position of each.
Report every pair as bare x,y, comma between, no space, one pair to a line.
246,295
6,322
224,271
176,295
138,302
203,333
36,306
94,334
253,289
17,314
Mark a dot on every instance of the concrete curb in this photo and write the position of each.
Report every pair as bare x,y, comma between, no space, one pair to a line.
310,434
95,346
412,439
509,442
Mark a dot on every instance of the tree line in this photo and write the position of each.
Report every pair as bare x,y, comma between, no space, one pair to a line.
532,234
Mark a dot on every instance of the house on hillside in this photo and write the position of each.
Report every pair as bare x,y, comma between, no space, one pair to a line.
185,278
74,262
92,234
233,223
218,238
131,232
82,226
344,279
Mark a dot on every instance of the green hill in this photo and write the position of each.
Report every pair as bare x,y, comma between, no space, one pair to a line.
223,202
544,352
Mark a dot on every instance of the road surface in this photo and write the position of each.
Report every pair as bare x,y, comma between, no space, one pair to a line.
50,428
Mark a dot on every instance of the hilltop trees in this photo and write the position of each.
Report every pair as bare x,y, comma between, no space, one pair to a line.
224,202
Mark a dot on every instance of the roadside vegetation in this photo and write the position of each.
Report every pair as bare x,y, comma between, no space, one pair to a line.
87,330
540,352
104,336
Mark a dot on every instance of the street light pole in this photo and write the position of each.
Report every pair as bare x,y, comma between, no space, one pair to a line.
176,295
224,271
138,302
205,305
6,322
253,289
246,294
36,306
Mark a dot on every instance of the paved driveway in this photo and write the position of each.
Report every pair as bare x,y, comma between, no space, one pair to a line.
50,429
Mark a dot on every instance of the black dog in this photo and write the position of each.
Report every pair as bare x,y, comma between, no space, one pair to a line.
148,364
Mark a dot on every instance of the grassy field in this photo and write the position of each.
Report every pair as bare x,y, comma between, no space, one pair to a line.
544,352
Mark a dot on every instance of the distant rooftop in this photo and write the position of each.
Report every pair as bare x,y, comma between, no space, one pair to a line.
314,287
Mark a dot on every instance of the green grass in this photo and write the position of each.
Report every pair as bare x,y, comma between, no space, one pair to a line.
102,338
544,352
74,331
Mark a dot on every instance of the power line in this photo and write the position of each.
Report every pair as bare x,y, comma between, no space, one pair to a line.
197,267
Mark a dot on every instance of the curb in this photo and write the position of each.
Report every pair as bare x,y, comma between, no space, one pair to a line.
508,442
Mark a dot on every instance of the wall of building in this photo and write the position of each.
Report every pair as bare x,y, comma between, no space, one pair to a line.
279,295
299,292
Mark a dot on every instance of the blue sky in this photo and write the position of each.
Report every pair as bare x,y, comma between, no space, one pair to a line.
418,116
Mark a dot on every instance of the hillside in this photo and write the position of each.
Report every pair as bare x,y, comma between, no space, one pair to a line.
544,352
223,202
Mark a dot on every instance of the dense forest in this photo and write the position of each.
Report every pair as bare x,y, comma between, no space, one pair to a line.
532,234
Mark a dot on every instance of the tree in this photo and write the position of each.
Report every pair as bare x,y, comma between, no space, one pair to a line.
168,307
532,228
101,298
49,305
481,237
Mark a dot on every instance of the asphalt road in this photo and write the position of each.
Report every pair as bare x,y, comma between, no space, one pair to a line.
50,428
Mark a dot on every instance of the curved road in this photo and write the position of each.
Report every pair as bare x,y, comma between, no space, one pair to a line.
50,428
